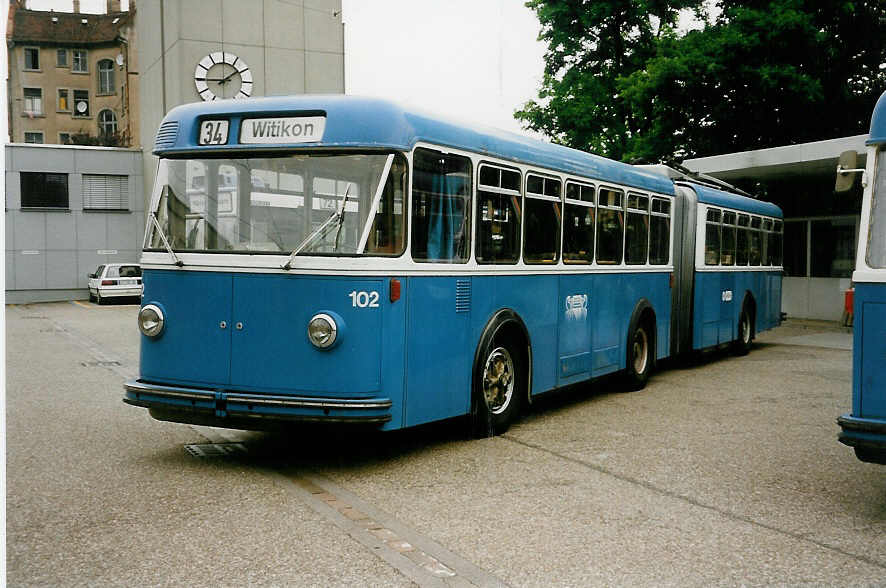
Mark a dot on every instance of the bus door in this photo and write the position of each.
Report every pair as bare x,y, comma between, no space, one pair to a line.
269,349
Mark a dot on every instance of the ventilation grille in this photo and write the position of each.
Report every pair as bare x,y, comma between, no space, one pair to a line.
167,135
462,295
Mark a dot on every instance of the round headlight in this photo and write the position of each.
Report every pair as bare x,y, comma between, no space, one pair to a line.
322,331
150,320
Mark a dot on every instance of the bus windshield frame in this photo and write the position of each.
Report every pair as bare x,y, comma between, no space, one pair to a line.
875,255
343,204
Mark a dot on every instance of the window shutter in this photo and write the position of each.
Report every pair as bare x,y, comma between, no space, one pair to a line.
103,192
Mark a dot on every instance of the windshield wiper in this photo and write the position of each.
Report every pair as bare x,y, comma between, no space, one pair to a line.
337,215
166,244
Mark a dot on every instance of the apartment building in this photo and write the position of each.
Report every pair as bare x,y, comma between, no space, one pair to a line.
73,77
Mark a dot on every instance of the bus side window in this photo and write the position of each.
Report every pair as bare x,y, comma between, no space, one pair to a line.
387,236
755,242
727,250
578,223
767,230
610,226
499,202
774,249
741,252
541,226
712,238
637,229
441,207
660,232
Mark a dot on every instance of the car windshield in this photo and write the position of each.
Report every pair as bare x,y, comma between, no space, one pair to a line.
315,204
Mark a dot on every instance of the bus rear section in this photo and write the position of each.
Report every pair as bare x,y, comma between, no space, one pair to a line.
864,427
738,268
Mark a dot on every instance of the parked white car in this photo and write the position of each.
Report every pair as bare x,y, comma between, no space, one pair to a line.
115,280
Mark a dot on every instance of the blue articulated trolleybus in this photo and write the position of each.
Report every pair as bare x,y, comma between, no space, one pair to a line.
865,427
348,260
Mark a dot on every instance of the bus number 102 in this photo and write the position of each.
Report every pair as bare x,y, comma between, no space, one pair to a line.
364,299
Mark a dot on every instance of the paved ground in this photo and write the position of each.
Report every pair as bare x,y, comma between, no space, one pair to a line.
723,472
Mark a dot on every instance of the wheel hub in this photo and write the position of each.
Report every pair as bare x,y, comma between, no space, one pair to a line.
498,380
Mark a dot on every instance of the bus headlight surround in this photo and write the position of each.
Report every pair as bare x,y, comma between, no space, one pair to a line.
323,330
151,320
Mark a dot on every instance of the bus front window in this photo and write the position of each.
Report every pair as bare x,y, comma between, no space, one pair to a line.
273,204
876,255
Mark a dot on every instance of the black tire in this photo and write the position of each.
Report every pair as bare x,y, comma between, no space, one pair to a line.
99,298
640,356
91,297
745,338
498,389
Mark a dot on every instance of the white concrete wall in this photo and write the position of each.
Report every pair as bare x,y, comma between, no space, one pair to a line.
49,252
814,298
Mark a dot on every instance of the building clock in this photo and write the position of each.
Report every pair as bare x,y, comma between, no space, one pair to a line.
222,75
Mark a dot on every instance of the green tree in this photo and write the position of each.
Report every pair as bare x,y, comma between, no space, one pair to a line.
590,44
764,73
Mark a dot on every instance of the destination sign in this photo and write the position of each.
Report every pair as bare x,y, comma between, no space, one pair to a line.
302,129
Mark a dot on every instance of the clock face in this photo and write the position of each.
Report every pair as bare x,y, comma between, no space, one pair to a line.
222,75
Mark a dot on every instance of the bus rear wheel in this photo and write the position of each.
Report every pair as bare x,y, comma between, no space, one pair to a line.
742,344
639,360
498,389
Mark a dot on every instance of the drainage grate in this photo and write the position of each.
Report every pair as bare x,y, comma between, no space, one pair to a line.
99,363
215,449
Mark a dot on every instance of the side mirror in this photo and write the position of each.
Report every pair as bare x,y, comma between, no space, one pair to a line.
847,167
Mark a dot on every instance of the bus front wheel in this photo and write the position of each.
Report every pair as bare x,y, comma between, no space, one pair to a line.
640,354
498,388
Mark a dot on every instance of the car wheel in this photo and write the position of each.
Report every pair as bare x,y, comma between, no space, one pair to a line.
639,358
498,389
99,299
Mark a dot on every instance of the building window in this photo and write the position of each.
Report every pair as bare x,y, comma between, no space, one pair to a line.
79,61
32,58
33,136
33,101
61,58
81,103
44,190
105,192
107,122
64,102
105,76
64,138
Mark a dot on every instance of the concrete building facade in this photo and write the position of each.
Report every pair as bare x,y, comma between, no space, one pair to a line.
73,77
68,210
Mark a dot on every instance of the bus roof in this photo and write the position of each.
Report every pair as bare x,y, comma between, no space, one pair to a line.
716,197
878,122
369,123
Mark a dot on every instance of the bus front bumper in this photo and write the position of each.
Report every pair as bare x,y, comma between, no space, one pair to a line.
867,436
250,411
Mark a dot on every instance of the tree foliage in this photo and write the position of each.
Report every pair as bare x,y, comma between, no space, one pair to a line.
625,84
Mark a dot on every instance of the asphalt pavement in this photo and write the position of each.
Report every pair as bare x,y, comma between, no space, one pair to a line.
723,471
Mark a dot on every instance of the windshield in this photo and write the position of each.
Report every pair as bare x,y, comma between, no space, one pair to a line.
877,239
283,204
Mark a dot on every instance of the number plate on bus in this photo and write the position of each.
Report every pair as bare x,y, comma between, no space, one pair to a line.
213,132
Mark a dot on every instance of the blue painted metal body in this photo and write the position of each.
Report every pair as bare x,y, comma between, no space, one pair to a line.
716,317
864,428
416,352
